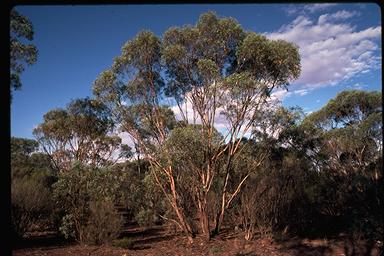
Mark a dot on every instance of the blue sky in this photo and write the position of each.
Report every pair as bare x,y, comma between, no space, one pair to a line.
340,46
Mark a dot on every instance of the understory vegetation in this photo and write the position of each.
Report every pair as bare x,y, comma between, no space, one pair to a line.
225,156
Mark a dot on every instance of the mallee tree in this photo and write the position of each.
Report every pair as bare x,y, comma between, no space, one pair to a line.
213,70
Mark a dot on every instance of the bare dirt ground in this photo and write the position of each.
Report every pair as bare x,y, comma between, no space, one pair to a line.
156,241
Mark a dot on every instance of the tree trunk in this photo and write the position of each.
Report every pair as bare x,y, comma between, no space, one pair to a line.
220,215
204,219
219,218
180,214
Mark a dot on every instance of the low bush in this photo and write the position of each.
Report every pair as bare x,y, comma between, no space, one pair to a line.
126,243
30,204
87,196
104,223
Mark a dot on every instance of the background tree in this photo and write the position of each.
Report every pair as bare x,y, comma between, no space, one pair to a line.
349,156
21,30
267,196
82,133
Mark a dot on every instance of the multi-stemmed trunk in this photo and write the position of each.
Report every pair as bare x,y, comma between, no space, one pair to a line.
186,227
204,217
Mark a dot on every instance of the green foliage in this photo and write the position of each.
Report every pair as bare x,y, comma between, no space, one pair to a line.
269,60
83,182
318,180
140,193
187,146
21,29
136,118
351,127
271,189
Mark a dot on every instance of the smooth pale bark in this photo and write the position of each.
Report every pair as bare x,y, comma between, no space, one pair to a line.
179,212
204,218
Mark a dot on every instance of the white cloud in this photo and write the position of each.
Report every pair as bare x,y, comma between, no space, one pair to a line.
280,94
331,51
220,121
318,7
126,139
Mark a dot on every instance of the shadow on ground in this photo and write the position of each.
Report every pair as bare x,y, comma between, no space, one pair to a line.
43,239
321,247
144,238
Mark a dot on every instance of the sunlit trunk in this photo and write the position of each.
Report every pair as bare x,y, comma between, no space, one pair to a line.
204,218
180,214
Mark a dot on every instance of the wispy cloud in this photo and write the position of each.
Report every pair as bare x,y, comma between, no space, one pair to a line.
280,94
301,92
300,9
318,7
331,51
357,86
340,15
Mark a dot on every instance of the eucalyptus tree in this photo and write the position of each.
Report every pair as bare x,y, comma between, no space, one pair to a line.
21,29
211,71
82,132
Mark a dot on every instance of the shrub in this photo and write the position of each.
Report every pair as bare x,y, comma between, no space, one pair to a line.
104,223
86,196
30,203
126,243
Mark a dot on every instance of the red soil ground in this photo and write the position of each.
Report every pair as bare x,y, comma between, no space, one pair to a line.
156,241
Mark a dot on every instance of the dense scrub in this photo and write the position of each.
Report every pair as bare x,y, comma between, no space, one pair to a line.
300,188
